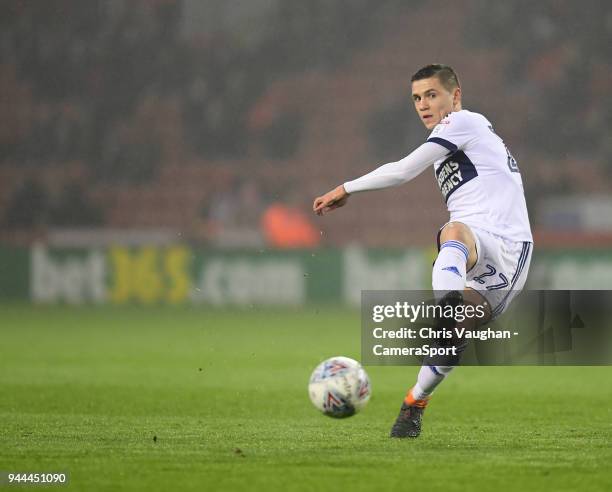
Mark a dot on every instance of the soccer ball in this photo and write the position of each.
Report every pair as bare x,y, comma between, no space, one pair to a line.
339,387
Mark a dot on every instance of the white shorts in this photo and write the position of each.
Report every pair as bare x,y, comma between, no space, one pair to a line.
501,269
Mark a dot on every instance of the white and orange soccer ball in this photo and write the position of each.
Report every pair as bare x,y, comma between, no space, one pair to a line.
339,387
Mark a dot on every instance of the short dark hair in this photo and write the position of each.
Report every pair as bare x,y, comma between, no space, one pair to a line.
446,75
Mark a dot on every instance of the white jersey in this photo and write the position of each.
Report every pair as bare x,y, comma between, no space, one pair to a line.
479,179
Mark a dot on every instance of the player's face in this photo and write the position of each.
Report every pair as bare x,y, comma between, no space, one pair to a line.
432,101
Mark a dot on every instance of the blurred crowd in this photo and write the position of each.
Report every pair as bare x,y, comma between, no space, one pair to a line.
90,76
558,59
116,87
119,90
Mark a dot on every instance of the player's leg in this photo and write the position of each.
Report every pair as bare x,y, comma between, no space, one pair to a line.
433,371
457,255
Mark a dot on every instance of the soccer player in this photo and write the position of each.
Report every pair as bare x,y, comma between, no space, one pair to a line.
486,246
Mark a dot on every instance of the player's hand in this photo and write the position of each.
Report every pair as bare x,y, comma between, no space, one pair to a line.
331,200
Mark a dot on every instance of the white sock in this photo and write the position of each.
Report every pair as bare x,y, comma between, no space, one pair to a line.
449,269
429,377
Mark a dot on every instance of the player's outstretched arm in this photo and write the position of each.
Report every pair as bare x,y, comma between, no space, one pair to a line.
331,200
386,176
400,172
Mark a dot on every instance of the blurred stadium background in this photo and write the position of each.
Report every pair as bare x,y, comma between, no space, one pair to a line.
173,137
168,150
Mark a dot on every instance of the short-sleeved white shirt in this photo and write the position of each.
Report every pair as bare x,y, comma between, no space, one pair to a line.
479,179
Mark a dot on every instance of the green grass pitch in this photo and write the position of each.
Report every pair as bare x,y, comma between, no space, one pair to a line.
202,399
